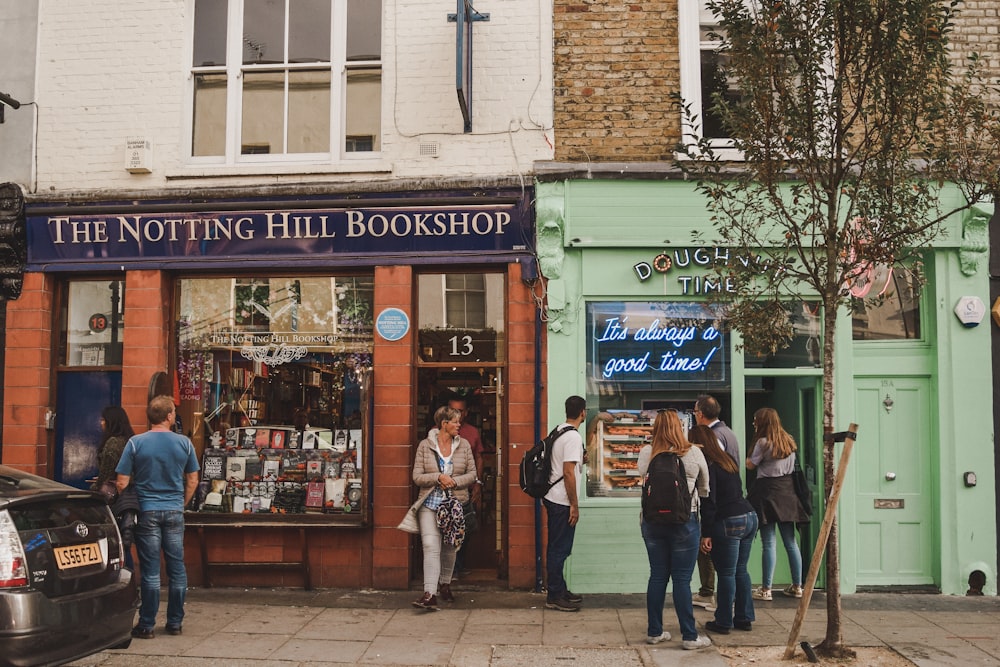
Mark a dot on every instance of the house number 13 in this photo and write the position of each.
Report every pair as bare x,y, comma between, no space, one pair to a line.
461,346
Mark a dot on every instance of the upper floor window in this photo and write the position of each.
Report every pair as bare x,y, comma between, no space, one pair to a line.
296,80
703,64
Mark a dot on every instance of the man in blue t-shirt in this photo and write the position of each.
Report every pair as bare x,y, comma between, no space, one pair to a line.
163,467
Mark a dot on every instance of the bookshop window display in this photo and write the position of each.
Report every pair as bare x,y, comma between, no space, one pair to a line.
274,375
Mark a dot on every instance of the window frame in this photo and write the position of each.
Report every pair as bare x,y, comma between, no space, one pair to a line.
234,69
691,46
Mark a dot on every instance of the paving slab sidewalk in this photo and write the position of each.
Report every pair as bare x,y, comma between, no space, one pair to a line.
492,628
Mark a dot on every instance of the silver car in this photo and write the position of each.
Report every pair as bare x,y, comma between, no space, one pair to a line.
64,590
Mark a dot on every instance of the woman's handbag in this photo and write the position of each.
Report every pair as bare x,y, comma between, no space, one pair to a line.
802,488
451,520
409,523
109,490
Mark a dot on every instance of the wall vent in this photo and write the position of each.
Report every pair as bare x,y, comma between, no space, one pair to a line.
429,148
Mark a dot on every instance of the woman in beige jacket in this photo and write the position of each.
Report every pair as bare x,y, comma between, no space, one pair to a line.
444,461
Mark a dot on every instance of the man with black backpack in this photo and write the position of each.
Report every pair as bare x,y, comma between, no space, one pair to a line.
562,506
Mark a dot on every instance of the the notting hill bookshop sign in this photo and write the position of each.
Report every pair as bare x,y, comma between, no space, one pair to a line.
655,342
122,236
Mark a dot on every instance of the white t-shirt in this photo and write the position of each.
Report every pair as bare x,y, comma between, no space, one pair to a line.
567,447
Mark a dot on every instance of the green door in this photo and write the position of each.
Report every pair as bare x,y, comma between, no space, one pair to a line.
892,465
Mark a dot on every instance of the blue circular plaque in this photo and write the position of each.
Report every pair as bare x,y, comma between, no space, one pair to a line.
392,324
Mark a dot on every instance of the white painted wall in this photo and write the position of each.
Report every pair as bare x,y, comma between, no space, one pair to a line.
109,69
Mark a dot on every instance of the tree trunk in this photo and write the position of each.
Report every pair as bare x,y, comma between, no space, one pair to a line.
833,644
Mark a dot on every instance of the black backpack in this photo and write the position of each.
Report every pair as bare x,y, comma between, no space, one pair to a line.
665,495
536,466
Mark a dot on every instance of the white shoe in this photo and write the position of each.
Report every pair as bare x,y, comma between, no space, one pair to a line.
665,637
762,594
694,644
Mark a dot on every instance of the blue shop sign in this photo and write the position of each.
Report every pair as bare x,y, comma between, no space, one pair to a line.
300,235
655,342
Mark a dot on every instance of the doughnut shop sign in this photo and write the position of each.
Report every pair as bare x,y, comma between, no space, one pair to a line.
392,324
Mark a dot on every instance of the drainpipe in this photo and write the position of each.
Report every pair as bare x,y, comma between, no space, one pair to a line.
539,581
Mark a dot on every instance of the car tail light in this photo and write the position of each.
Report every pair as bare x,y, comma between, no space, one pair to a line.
13,570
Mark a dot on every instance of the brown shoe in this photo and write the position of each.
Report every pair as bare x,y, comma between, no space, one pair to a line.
444,590
428,601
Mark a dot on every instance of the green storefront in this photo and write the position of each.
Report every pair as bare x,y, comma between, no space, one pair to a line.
629,327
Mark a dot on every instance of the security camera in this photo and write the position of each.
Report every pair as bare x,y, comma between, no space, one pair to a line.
9,101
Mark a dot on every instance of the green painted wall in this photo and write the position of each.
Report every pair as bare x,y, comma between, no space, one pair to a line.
592,232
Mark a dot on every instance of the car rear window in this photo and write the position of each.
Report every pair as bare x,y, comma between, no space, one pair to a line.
56,513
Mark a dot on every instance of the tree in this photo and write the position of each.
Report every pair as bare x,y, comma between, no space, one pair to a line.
861,133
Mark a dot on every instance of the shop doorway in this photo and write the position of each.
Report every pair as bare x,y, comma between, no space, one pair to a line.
895,517
798,401
80,398
482,557
461,352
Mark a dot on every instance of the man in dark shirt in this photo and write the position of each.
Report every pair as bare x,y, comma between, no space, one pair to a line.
706,412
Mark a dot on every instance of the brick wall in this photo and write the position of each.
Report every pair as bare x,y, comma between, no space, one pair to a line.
977,29
27,376
520,405
394,418
616,65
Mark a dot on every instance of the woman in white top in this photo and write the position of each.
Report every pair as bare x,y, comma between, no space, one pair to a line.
443,461
673,548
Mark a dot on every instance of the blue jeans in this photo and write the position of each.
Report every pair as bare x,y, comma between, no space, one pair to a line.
732,539
768,554
156,530
672,552
560,546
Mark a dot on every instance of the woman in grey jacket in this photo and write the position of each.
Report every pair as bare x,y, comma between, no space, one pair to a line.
444,462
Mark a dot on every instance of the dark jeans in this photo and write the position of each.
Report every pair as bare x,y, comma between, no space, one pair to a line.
732,539
559,548
161,529
672,552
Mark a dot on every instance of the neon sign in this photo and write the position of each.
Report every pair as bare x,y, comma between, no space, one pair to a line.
655,342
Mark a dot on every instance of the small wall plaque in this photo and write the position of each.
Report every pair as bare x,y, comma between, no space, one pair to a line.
889,503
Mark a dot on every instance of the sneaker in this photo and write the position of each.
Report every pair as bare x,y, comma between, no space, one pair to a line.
573,597
174,630
444,590
143,633
664,637
561,604
705,601
712,626
694,644
745,626
762,594
793,591
428,601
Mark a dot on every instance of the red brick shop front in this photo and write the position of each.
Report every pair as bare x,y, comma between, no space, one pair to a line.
307,341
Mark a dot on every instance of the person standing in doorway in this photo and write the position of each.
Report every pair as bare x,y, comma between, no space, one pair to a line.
773,497
163,467
706,413
562,506
443,465
471,435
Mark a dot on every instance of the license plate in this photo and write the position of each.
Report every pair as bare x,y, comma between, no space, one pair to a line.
77,556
